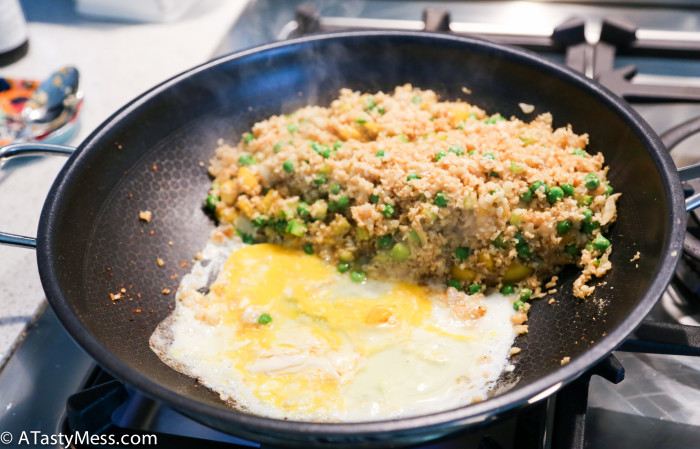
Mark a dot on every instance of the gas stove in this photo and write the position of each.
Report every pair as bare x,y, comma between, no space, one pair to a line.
646,51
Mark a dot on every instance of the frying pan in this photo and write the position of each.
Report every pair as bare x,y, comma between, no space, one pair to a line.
152,155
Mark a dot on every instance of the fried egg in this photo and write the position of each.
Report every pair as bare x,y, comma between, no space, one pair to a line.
283,334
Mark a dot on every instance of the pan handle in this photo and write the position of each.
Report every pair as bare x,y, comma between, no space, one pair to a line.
673,137
28,149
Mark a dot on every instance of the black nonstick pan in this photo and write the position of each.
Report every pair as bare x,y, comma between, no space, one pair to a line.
152,155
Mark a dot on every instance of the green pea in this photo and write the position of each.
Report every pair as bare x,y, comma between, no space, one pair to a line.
210,202
591,180
277,147
535,186
563,227
248,137
462,252
385,241
379,153
608,189
568,189
526,197
335,189
518,305
344,267
246,159
601,243
259,221
507,289
288,166
441,199
400,252
388,210
587,215
357,276
417,100
265,318
296,228
500,243
525,294
360,120
308,248
588,228
456,149
292,128
320,178
489,156
587,200
440,155
474,288
454,283
579,152
342,203
412,176
572,250
337,145
555,194
302,210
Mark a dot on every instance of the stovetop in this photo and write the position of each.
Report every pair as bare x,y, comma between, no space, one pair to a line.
656,405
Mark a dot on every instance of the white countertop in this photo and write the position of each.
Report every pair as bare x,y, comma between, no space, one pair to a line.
117,61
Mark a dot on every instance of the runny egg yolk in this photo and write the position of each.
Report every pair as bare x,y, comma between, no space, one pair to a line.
327,348
342,322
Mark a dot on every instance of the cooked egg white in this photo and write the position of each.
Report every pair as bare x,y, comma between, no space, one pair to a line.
334,350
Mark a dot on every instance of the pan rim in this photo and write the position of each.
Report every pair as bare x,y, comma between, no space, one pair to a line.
465,415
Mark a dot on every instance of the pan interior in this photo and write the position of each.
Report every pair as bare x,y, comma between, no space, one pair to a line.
153,156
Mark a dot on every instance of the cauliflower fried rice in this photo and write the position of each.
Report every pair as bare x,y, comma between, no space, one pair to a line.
403,185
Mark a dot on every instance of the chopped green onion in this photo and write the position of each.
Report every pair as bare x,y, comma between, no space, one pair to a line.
400,252
296,228
527,140
500,243
412,176
247,238
385,241
492,120
360,120
417,99
441,199
302,210
374,199
211,201
608,189
335,189
474,288
337,145
414,237
462,252
265,318
403,137
440,155
388,211
579,152
308,248
489,156
259,221
277,147
516,168
379,153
